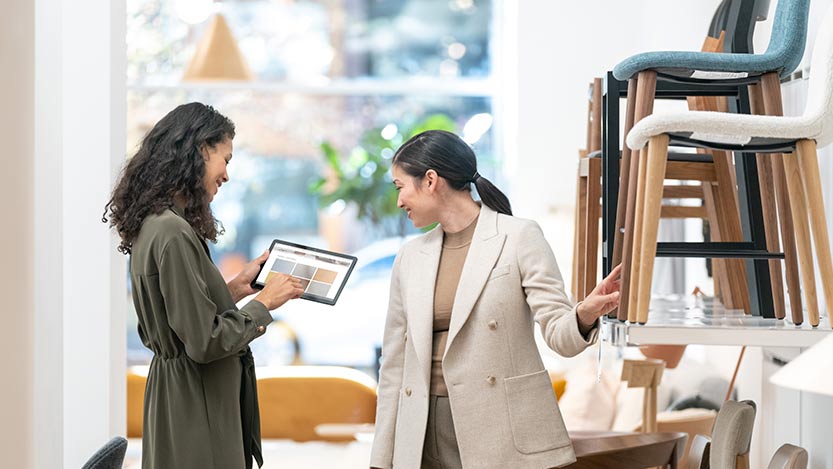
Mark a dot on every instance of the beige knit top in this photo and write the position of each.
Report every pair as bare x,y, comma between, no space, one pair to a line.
452,258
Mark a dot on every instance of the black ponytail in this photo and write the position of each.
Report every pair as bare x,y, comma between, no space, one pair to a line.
453,160
493,197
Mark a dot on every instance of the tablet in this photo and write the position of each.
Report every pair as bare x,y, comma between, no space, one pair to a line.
322,273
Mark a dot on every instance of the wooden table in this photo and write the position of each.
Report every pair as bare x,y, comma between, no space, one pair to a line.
627,450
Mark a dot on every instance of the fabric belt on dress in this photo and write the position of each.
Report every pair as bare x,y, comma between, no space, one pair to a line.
249,411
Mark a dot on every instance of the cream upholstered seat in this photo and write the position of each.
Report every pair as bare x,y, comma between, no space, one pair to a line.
799,135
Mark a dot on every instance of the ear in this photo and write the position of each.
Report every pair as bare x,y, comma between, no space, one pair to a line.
204,152
431,180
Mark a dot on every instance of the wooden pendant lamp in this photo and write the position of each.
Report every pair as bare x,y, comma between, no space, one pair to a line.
217,56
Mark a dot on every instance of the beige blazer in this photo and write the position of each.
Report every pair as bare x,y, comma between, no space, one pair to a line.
504,409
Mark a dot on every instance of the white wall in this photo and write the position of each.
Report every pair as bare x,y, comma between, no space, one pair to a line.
62,121
560,48
16,244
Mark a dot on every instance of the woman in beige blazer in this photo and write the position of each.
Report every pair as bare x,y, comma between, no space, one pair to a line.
462,384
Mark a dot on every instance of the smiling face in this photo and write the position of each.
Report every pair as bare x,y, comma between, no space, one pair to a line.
416,196
216,162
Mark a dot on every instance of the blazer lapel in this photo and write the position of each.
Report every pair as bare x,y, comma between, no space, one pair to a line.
486,246
420,308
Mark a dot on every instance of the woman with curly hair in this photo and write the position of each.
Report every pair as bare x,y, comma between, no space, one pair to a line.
201,397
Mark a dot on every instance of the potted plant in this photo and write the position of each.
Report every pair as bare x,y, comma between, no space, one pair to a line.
363,177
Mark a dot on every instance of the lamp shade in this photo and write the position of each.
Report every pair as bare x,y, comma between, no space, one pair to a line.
217,56
807,371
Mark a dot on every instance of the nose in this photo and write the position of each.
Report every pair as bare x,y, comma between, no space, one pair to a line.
225,176
399,201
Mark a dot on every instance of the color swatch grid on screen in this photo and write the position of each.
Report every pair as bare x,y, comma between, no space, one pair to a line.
314,280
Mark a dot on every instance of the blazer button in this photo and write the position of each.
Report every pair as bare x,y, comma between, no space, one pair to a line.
407,391
492,324
261,329
491,380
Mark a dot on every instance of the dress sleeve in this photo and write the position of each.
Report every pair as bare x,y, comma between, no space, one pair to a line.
208,332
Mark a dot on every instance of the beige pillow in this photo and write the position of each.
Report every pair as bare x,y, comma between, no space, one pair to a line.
586,403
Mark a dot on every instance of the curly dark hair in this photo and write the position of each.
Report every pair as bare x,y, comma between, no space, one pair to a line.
169,162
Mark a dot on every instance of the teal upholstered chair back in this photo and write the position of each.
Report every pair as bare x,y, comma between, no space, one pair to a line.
789,33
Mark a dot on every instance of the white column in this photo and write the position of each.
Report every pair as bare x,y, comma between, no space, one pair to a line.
16,245
81,300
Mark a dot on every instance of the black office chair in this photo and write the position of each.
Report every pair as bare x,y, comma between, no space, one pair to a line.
110,456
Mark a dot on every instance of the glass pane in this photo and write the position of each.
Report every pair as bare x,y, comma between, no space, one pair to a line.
314,41
277,156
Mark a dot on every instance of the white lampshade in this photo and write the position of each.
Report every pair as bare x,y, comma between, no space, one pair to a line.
807,371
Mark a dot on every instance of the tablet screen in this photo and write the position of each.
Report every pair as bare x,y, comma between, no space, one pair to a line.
322,273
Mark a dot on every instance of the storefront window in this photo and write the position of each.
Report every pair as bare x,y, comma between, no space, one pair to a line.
329,72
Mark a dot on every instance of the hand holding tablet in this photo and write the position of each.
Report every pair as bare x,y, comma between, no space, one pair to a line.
322,274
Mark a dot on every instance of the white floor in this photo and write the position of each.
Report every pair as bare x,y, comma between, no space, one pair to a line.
287,454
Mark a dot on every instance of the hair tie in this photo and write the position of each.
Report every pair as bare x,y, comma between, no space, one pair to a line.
475,177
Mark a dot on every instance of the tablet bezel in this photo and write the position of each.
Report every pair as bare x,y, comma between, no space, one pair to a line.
310,296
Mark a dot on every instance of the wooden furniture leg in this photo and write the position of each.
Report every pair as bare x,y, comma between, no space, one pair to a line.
654,177
773,242
771,90
624,183
645,93
809,167
580,231
632,304
802,235
593,212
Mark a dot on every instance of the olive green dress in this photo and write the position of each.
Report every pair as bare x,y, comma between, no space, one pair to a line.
201,396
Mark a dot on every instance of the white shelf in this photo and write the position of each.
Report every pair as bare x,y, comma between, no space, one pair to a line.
694,321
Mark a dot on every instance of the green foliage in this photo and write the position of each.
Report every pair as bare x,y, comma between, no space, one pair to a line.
363,176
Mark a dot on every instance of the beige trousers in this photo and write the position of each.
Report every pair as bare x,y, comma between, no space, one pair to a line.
440,450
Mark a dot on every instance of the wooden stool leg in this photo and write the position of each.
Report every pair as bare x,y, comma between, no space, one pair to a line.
638,247
576,256
771,90
654,177
594,142
594,211
624,176
809,167
802,235
765,178
728,216
719,270
645,91
624,185
581,232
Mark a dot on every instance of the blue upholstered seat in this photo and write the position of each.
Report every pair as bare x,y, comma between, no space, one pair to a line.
786,47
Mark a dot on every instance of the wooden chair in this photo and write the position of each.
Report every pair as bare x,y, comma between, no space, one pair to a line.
294,400
645,374
137,377
782,56
588,207
799,136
